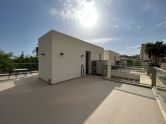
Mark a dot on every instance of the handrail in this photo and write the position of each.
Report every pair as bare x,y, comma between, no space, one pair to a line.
161,70
26,63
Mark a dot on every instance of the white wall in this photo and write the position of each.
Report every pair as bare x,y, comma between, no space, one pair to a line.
112,56
67,66
45,47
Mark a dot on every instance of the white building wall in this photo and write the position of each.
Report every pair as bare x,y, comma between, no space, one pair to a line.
112,56
68,66
106,55
45,47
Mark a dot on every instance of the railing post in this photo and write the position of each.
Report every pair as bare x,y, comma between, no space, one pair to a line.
108,70
149,70
153,76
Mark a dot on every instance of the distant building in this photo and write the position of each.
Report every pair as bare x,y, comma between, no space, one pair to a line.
143,55
112,56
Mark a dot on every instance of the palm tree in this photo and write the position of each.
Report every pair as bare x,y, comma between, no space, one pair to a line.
156,51
159,51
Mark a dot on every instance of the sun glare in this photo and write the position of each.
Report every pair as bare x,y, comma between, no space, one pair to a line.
88,15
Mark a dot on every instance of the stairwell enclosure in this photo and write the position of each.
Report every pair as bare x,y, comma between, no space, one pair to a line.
62,57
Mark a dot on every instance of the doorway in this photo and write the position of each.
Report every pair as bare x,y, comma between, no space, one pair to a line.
88,62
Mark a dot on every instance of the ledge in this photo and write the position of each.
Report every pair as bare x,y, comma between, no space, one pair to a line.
160,101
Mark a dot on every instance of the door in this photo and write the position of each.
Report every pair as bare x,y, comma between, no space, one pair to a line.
88,62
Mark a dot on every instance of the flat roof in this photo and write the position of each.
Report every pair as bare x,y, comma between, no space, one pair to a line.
70,37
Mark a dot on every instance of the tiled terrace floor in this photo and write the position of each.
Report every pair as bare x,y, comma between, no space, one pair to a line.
87,100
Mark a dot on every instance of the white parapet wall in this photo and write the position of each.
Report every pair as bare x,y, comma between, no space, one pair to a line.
112,56
61,57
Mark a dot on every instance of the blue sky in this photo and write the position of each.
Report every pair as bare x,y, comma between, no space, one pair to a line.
119,25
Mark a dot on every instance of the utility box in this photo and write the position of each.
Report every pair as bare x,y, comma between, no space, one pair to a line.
97,66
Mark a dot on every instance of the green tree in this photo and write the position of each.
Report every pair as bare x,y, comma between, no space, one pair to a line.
137,63
36,50
6,61
28,61
130,62
156,51
149,49
21,58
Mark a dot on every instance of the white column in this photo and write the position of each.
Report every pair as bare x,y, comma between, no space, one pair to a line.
108,70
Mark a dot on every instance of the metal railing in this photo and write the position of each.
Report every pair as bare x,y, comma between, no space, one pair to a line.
159,85
11,67
129,69
125,73
159,77
30,66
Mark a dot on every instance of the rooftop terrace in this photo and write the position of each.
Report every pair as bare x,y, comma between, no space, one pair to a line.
88,100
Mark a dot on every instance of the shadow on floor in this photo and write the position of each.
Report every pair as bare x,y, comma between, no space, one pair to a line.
133,93
33,101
